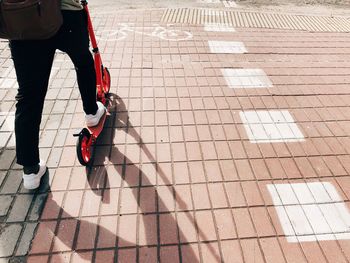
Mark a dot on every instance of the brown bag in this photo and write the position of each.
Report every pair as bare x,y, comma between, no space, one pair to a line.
29,19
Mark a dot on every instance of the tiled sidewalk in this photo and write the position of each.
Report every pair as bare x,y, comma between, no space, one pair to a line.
239,153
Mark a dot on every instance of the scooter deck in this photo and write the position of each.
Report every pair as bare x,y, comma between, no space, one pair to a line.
96,130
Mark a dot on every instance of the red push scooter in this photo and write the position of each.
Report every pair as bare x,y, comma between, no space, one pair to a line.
87,136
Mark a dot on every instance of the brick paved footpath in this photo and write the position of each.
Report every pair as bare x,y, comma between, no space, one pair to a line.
206,157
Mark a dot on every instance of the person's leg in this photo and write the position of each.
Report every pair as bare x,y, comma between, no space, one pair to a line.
74,40
33,62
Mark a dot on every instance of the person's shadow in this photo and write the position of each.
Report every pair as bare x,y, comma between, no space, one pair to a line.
132,175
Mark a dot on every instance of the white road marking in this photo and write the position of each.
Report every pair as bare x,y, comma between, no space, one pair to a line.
229,3
319,214
227,47
246,78
270,126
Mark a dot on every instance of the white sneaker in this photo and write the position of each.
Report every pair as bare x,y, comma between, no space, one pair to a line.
32,181
91,119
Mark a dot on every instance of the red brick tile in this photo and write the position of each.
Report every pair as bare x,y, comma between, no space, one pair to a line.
235,194
38,259
81,257
208,150
103,256
200,196
188,118
87,233
321,146
109,204
66,157
190,133
73,203
332,251
231,132
223,150
168,229
237,150
169,254
259,169
127,231
267,150
251,251
163,152
305,167
271,249
187,228
320,167
148,230
147,254
218,132
206,228
178,152
309,148
243,223
166,200
217,195
262,222
275,168
225,224
290,168
61,179
91,203
204,133
334,165
63,240
228,170
252,194
193,151
252,149
196,172
295,149
165,175
210,252
231,251
183,197
345,247
78,178
312,252
128,202
43,238
281,150
107,231
212,170
244,170
126,255
61,258
53,205
190,253
292,251
149,175
181,173
147,200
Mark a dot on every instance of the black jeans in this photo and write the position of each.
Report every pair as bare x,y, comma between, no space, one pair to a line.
33,61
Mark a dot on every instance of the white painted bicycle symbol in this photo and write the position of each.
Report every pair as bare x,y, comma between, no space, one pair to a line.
159,31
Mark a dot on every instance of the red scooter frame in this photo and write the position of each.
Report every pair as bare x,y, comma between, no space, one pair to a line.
88,135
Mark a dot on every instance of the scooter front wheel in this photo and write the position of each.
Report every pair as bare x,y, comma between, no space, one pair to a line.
106,80
85,148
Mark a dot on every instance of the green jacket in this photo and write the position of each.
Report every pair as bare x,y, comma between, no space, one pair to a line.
71,5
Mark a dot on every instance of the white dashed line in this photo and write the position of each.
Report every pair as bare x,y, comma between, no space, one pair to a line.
310,211
270,126
217,27
227,47
246,78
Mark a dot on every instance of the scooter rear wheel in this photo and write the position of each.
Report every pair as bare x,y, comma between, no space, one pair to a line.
84,148
106,80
